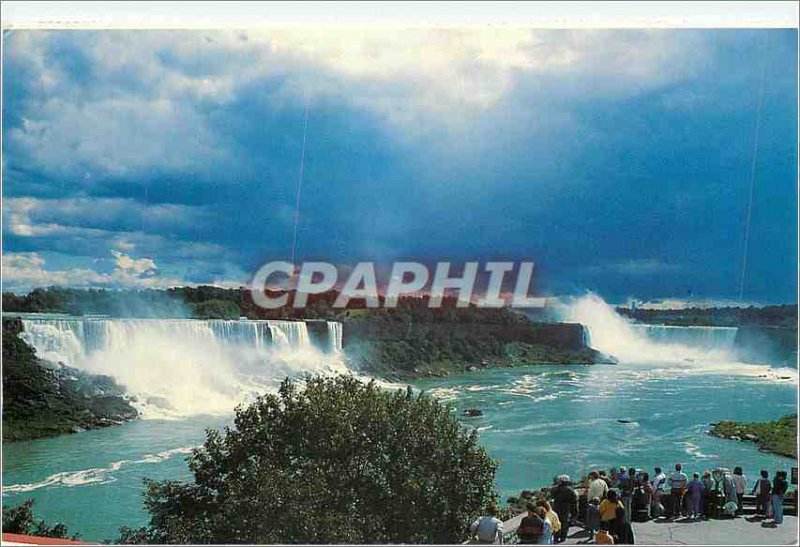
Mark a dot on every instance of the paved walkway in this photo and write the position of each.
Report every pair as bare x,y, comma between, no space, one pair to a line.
739,531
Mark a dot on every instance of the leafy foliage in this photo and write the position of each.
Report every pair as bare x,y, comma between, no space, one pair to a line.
784,315
216,309
41,401
333,460
21,520
779,436
215,302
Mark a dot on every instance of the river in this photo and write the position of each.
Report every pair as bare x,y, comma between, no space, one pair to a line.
538,421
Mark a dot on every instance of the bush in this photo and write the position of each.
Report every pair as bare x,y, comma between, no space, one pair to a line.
331,461
21,520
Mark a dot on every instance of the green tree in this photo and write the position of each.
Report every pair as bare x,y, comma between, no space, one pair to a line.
328,460
216,309
21,520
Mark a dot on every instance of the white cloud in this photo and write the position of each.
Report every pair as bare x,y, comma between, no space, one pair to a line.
118,136
144,98
132,266
94,217
28,270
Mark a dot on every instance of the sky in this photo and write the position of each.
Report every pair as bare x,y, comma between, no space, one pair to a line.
618,161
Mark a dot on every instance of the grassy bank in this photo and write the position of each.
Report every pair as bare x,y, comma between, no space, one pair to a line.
778,437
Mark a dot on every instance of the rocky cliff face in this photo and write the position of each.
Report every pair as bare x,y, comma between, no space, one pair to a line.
42,399
407,349
563,336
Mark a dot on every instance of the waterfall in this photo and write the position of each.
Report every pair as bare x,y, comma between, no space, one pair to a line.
611,333
289,334
184,366
335,336
702,338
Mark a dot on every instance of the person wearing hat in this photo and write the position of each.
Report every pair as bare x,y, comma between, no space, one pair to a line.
565,504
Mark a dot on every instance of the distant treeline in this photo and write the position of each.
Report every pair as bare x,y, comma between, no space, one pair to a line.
773,316
206,302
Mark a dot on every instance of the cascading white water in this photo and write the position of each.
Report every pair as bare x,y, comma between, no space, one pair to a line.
611,333
289,334
335,336
183,366
713,339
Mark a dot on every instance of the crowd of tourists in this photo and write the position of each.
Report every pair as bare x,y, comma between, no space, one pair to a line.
714,494
615,499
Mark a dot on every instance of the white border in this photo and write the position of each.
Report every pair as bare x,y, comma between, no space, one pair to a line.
581,14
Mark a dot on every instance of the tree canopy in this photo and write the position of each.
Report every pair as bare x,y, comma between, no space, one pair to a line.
327,460
20,519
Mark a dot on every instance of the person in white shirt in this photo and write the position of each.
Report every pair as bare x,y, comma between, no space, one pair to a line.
740,480
659,486
677,486
598,488
489,529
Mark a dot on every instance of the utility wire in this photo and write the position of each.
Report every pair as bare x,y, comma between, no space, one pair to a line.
753,164
299,184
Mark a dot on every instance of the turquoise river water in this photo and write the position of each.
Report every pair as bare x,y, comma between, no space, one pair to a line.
538,421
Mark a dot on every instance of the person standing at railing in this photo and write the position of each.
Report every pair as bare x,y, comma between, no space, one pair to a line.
695,490
608,511
612,477
659,485
677,486
779,487
489,529
552,516
741,486
627,484
729,489
598,488
708,508
643,497
593,517
531,527
565,504
763,491
547,527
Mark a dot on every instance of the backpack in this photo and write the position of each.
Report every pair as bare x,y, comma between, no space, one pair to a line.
730,509
530,527
603,538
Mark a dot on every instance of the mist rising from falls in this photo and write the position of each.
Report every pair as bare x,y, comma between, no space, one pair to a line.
614,334
178,367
